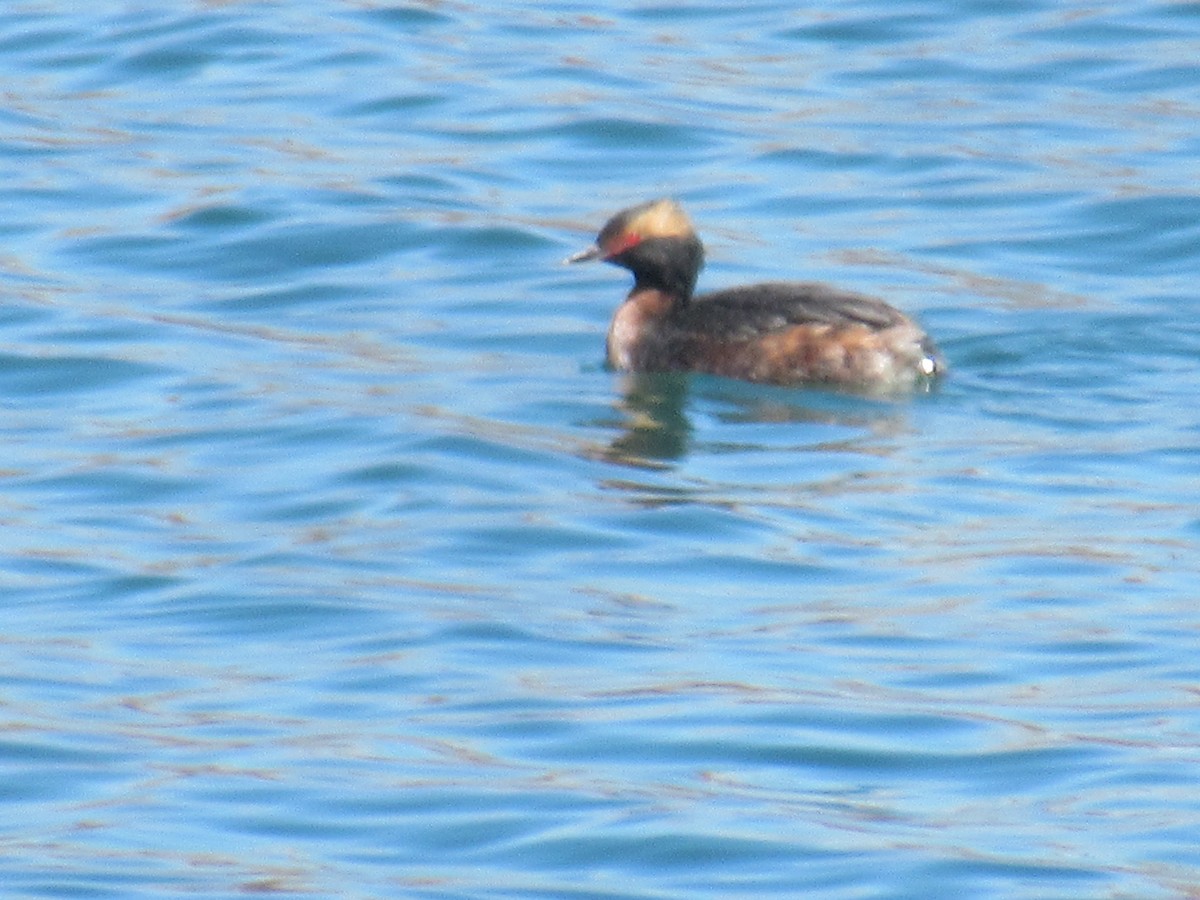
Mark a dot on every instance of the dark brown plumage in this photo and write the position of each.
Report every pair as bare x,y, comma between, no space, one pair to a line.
776,332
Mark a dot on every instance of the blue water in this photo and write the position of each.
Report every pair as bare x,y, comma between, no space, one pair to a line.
336,564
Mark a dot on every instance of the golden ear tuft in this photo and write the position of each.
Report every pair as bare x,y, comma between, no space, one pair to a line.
663,219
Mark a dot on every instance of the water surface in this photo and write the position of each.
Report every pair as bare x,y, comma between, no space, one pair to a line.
336,564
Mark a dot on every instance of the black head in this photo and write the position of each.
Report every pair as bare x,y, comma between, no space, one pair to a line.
656,242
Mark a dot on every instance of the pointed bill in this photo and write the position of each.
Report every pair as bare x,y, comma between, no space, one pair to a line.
592,252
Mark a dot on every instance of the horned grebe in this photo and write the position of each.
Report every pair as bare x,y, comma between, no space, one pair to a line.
777,332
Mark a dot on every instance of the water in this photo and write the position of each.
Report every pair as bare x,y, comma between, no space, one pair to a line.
336,564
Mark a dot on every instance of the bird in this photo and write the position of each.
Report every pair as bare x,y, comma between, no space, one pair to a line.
776,332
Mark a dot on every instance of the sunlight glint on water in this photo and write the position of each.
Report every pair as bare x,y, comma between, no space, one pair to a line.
337,564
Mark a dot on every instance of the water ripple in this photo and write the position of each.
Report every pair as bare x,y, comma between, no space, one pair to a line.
336,563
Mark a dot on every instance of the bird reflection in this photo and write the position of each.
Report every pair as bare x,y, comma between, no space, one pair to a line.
657,428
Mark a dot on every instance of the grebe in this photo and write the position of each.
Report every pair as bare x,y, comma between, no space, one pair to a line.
776,332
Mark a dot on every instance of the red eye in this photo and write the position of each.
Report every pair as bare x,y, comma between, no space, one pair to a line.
623,242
